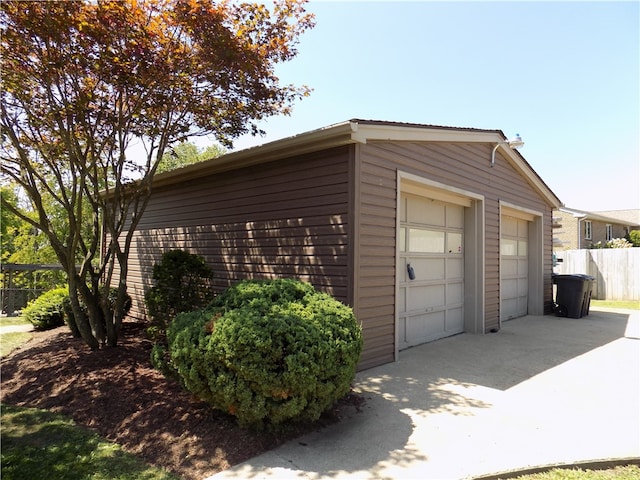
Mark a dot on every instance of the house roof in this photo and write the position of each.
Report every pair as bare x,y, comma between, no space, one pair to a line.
622,217
353,132
630,217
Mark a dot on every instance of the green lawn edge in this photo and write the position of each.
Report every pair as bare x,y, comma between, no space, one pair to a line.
11,340
41,444
12,321
611,469
623,304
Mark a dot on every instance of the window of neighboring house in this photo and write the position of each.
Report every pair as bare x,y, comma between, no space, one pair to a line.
609,232
587,230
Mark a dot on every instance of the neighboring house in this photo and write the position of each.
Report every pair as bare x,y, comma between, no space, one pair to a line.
578,229
412,225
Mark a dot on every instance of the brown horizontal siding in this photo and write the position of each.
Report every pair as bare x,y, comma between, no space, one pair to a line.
464,166
376,340
376,263
282,219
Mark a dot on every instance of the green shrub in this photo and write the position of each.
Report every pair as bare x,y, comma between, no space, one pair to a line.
182,284
634,237
268,352
46,311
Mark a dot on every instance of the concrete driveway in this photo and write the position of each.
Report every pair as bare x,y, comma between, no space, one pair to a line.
542,391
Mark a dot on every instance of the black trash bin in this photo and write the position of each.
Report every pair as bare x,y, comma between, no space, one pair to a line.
588,291
573,295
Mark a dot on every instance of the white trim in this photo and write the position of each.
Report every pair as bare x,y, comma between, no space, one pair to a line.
518,212
396,312
412,180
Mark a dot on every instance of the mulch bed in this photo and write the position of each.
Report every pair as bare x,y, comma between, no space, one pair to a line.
117,393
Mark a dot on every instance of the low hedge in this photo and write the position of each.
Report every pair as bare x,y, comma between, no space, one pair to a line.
47,311
268,352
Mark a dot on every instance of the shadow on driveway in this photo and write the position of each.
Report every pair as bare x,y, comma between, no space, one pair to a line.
542,390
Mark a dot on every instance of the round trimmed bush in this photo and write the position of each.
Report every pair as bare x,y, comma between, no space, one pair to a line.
268,352
47,311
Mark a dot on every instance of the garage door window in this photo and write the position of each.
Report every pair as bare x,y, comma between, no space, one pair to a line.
430,241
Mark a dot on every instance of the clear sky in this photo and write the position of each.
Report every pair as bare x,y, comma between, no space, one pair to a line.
564,75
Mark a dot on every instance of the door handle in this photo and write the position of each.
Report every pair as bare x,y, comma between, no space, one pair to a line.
410,272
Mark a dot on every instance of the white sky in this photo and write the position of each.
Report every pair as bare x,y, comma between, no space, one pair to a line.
565,76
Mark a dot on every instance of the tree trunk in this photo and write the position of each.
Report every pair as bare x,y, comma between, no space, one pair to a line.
94,312
80,318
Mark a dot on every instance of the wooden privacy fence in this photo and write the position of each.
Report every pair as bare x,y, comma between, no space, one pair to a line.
616,270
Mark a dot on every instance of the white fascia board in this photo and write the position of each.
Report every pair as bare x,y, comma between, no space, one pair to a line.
405,133
575,213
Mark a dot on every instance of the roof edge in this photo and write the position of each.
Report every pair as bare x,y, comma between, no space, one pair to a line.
350,132
583,214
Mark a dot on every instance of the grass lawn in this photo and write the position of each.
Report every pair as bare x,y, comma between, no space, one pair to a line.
10,321
628,304
628,472
40,444
12,340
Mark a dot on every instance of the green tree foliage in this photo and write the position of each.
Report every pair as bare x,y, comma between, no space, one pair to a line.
24,243
187,153
82,81
9,223
268,352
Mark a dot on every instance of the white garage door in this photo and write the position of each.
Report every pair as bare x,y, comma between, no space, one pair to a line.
514,264
430,242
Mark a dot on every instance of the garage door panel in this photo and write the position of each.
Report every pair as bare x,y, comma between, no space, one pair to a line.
426,269
509,267
424,297
455,268
455,216
523,267
431,241
523,248
523,287
514,267
509,308
509,288
455,293
424,327
522,304
509,226
454,320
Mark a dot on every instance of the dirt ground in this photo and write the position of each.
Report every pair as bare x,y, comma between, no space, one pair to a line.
117,393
